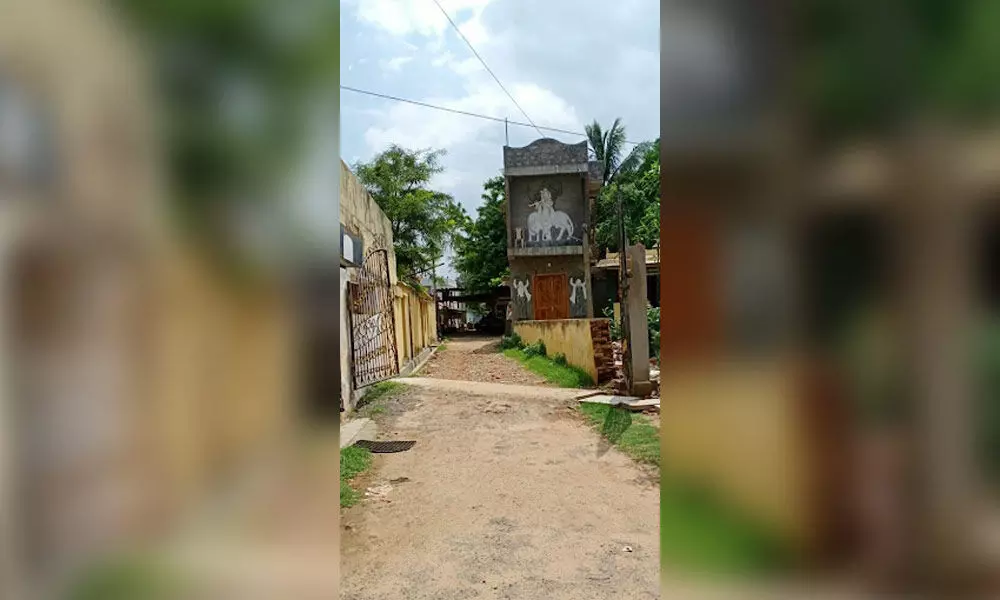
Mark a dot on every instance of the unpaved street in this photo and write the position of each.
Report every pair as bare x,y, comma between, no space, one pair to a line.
477,359
507,494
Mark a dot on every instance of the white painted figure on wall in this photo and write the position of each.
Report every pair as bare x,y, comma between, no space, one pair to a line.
546,218
577,285
519,237
522,290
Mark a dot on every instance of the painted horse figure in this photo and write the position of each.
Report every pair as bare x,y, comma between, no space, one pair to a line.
545,218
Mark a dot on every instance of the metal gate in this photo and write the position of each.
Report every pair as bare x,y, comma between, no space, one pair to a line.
373,324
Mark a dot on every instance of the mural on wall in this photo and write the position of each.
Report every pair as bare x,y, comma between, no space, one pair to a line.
546,220
578,295
548,211
521,297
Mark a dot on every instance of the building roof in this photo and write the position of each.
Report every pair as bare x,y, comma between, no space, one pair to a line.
610,261
545,152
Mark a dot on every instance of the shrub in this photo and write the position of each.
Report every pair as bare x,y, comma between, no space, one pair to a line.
616,327
559,359
653,318
511,341
535,349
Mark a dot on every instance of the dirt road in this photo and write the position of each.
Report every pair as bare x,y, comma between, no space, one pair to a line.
505,495
476,358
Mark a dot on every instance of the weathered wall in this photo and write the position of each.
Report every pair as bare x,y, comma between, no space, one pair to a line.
361,215
345,342
416,322
738,431
568,198
222,373
572,337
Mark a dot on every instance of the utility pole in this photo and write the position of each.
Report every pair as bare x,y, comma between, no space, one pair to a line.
437,316
623,295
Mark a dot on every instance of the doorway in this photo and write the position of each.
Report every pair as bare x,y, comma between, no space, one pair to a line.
551,297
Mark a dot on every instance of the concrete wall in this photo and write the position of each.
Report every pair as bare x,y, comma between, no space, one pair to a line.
737,429
361,215
223,374
571,337
414,315
345,342
416,323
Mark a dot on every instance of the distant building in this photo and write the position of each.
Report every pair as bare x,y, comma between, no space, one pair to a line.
549,189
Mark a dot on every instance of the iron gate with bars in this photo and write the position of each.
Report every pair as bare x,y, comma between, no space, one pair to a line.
373,324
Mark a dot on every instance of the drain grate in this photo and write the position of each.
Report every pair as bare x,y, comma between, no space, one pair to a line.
385,447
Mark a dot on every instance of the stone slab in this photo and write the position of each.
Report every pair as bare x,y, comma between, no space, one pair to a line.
357,429
631,402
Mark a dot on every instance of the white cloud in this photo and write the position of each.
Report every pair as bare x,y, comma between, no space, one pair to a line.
420,127
422,17
547,62
464,67
395,64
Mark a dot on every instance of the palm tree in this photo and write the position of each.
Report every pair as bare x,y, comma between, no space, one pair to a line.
607,148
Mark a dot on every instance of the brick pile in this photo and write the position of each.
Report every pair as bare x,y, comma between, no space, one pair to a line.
604,360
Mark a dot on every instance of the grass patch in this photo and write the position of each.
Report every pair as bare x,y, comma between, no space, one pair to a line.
641,440
129,578
373,402
567,376
700,534
353,462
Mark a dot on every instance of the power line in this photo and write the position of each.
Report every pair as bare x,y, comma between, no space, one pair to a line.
495,78
466,113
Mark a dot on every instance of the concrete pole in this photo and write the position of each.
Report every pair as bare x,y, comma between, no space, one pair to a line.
11,584
638,322
935,247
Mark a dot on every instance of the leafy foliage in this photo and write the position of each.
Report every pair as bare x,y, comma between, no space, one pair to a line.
607,147
535,349
511,341
866,67
616,326
481,248
639,186
653,319
423,220
234,78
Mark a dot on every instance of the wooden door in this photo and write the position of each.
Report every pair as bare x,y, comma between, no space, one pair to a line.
551,297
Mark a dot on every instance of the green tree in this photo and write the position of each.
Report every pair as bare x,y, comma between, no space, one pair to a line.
636,177
423,220
234,79
607,147
640,191
868,68
481,249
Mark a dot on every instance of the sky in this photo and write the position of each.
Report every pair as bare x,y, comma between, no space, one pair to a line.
567,62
